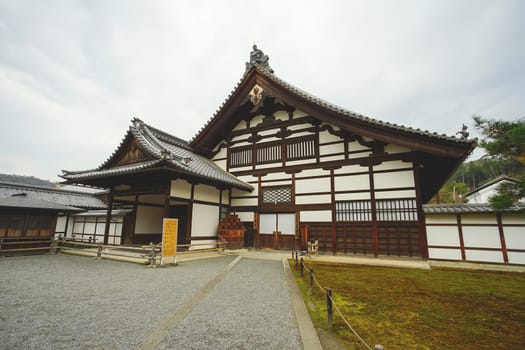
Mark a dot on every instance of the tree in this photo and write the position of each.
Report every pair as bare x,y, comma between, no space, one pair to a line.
451,192
504,140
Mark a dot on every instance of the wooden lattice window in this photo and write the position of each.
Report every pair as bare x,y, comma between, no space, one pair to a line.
272,152
396,209
386,210
358,210
277,195
303,148
269,153
241,156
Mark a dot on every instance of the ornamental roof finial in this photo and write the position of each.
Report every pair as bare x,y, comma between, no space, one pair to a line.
259,59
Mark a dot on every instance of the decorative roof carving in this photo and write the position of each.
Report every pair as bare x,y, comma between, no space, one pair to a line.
259,59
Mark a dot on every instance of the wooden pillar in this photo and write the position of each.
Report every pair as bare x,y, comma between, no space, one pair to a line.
167,200
375,239
108,216
423,242
461,241
334,216
502,239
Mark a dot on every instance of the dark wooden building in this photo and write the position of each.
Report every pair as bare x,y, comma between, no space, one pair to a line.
284,161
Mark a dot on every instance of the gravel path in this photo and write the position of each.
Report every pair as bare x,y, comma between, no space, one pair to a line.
64,302
249,309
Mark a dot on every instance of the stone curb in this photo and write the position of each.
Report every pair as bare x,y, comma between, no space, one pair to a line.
307,330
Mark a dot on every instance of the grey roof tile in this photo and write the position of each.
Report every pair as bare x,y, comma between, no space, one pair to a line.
61,197
466,208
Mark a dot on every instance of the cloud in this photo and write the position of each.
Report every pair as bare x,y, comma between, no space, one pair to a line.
73,74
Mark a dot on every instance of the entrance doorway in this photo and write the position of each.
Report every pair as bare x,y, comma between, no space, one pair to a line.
277,230
181,212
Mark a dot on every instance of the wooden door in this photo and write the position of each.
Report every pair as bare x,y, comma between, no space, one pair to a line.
277,230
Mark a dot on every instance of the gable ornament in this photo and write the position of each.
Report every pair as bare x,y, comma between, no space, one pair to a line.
259,59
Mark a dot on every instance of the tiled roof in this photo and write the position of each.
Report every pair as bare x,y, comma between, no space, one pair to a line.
23,201
492,182
167,150
466,208
60,197
331,107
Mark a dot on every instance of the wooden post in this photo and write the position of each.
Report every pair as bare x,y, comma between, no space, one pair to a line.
108,217
99,251
302,267
293,249
329,308
296,259
311,280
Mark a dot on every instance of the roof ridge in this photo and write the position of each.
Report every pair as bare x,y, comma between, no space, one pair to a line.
37,188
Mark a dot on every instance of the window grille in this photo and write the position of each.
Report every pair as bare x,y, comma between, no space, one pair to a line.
277,195
241,157
273,152
354,210
269,153
386,210
396,210
300,149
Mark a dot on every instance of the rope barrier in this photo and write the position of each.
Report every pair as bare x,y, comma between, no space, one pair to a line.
325,291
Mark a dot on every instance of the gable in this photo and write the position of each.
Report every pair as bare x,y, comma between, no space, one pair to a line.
130,153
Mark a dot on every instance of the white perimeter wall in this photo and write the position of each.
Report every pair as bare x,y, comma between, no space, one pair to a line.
481,238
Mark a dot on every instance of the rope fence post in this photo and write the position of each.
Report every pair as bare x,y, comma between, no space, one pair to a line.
311,280
296,259
329,308
293,250
302,267
99,251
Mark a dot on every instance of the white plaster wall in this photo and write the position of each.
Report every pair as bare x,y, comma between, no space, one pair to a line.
180,188
481,236
207,193
203,244
312,185
245,216
516,258
223,164
513,219
299,114
514,237
396,164
484,255
205,219
325,137
301,161
391,148
222,153
446,254
240,126
479,219
256,120
395,194
352,196
312,172
443,236
356,146
331,158
394,179
281,115
353,182
351,169
314,199
318,215
440,219
239,202
149,219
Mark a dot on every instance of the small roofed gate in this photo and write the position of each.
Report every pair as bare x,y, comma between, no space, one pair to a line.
389,227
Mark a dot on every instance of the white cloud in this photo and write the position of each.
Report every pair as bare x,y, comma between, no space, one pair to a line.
73,74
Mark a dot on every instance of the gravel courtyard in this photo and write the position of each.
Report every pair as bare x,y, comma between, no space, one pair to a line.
63,302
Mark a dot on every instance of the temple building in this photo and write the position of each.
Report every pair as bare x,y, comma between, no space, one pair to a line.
291,166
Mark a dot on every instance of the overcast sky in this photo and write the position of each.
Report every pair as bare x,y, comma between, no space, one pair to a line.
74,73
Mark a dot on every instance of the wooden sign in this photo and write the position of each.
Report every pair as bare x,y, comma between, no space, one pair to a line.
169,240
